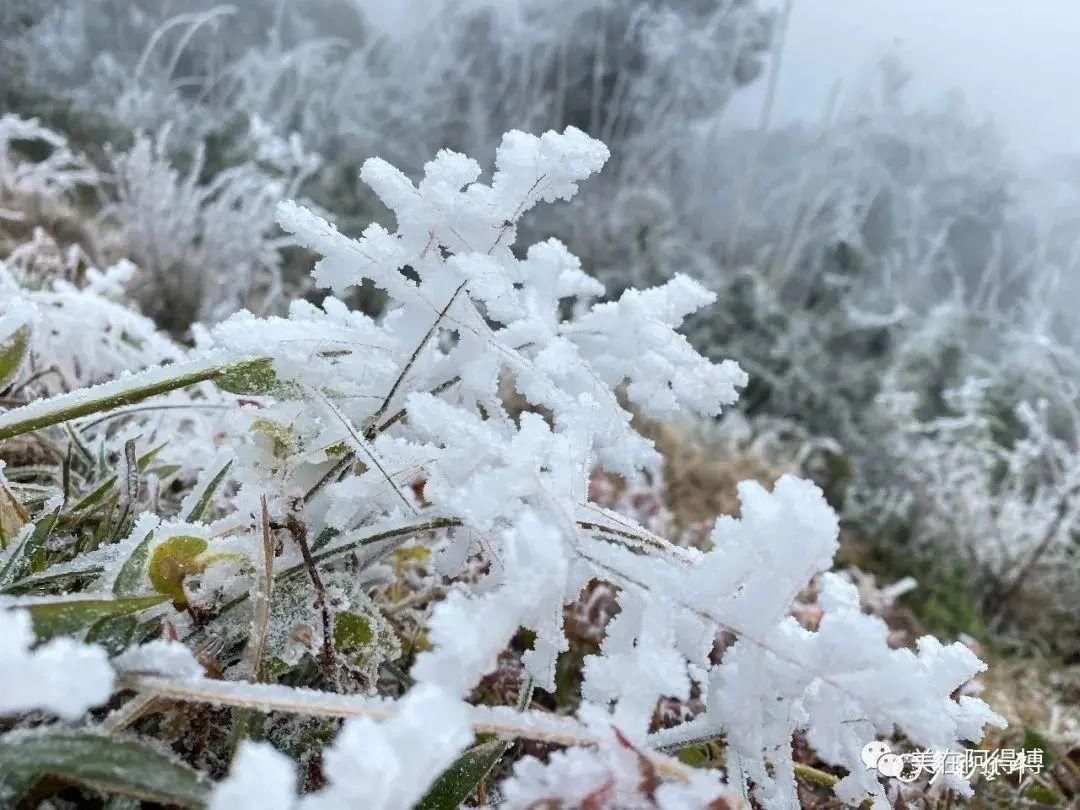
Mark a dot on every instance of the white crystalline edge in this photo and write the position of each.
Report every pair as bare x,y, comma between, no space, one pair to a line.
62,676
275,697
165,658
9,601
114,388
260,778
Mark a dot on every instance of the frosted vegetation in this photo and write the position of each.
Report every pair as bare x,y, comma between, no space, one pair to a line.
292,518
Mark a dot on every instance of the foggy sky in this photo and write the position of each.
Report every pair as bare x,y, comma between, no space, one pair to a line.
1016,61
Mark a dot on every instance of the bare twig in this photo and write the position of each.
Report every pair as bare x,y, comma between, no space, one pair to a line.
260,622
299,533
131,711
330,475
500,720
371,429
512,220
359,444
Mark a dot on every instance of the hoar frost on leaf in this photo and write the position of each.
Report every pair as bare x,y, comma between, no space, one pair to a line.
615,775
386,765
159,657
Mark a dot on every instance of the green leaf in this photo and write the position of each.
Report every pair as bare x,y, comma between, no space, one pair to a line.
38,546
17,564
95,496
146,458
165,470
173,561
78,444
105,397
1044,794
71,615
1033,738
696,756
29,557
129,580
45,583
177,558
256,378
324,538
147,630
102,764
13,351
351,632
204,501
114,633
12,515
461,779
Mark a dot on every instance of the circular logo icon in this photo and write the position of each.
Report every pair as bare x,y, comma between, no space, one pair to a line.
872,752
891,765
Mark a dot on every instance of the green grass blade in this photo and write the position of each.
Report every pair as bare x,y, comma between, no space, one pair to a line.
98,763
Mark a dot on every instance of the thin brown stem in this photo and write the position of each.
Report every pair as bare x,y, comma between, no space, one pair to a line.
260,621
371,430
359,444
330,475
299,533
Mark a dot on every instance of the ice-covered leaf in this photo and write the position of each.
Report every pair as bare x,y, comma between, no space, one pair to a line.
13,350
175,559
99,764
129,579
460,781
65,616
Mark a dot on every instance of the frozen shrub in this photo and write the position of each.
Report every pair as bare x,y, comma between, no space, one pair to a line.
56,175
355,442
42,183
353,80
205,248
74,334
994,488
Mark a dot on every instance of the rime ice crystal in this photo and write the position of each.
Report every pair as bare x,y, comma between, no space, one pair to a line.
61,676
368,432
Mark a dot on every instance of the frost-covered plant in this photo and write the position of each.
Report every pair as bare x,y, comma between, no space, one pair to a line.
60,334
998,491
355,441
56,175
403,79
358,77
206,249
42,180
833,243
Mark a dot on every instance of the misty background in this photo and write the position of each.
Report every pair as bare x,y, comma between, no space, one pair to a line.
1014,62
893,239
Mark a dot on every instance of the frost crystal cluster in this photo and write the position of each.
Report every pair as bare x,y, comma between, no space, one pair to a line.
353,445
